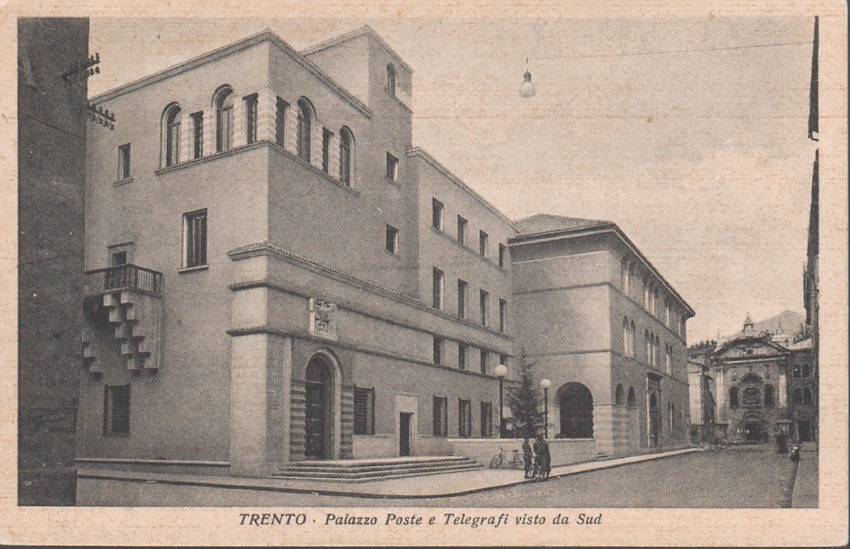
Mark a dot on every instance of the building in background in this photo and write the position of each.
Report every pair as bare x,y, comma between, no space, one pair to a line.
764,389
607,329
702,402
51,188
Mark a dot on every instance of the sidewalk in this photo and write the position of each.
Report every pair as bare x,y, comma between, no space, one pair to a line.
429,486
805,493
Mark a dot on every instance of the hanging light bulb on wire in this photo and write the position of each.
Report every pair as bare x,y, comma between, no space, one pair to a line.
526,89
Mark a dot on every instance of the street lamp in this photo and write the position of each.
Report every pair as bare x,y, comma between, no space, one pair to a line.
501,371
545,384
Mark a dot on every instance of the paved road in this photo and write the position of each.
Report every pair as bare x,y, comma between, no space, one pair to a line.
754,477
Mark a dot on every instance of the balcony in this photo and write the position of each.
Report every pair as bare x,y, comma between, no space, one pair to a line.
123,277
123,307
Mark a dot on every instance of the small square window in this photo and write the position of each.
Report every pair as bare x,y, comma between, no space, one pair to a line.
116,410
482,243
195,239
124,161
436,214
392,167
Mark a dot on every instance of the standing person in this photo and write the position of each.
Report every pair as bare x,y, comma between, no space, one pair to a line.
526,457
544,459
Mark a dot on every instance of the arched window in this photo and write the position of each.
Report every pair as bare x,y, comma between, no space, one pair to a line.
391,79
619,395
626,336
633,337
768,396
171,135
306,114
346,155
631,401
751,378
668,356
646,293
648,341
223,104
733,397
671,417
576,406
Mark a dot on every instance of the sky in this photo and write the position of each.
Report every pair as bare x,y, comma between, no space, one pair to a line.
689,133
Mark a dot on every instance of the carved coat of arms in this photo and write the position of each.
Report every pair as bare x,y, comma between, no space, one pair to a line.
322,318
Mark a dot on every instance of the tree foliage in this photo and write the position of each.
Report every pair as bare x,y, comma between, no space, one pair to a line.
525,401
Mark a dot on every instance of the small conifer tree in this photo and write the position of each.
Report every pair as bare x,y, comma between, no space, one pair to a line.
525,401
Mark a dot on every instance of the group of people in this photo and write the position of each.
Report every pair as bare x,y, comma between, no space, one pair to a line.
536,458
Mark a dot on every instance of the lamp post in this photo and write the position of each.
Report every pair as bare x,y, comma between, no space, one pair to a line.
501,371
545,384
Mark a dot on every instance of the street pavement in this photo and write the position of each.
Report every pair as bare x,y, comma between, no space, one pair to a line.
736,477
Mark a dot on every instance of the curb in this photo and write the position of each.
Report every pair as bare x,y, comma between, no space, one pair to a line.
320,492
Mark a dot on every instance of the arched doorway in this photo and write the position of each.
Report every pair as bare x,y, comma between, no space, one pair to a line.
654,422
576,410
319,420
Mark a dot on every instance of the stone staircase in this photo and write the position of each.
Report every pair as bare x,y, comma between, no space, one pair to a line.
366,470
134,320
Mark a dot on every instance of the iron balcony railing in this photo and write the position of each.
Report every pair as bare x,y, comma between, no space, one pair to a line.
127,276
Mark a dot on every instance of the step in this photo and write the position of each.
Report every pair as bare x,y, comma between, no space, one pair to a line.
386,476
309,466
347,463
358,473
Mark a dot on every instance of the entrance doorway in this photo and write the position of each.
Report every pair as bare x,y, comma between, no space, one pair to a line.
654,422
804,431
575,404
753,432
404,419
318,410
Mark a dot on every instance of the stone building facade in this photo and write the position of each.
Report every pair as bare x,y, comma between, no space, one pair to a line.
763,389
52,131
606,329
276,274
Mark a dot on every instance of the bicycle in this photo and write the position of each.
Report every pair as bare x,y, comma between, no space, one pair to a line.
515,462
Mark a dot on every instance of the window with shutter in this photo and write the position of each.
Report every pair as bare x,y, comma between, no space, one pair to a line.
364,411
116,410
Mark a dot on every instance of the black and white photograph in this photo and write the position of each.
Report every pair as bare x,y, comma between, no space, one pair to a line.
376,277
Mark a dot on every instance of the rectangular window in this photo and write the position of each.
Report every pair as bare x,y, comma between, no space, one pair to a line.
326,150
461,230
484,298
364,411
119,258
437,289
503,255
503,316
461,356
436,214
486,419
124,161
441,416
464,418
503,360
482,243
172,143
438,350
392,239
280,121
224,128
484,355
461,298
195,239
116,410
392,167
198,135
251,118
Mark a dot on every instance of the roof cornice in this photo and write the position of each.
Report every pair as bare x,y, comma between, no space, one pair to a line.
364,30
265,36
599,228
419,152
